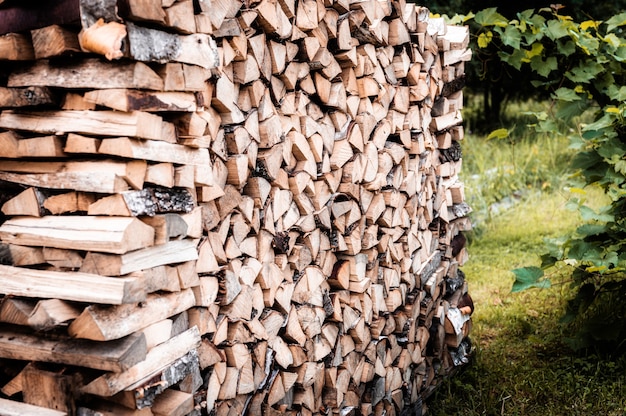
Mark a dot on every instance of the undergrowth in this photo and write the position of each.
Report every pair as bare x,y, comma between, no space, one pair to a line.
522,364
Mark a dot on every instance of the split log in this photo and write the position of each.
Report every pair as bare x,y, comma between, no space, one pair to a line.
104,234
101,323
176,251
80,287
87,73
13,408
110,123
157,360
117,356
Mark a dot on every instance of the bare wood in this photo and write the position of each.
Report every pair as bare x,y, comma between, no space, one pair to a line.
110,123
173,403
25,97
107,408
81,287
11,146
118,355
51,389
40,315
182,77
157,359
180,16
54,41
13,408
21,255
176,251
82,181
143,10
16,47
68,202
62,258
135,100
27,202
107,323
157,151
107,234
87,73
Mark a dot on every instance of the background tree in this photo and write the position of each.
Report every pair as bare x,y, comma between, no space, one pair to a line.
496,82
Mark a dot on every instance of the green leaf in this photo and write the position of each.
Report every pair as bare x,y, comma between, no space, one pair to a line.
529,277
566,94
557,29
584,72
612,40
588,214
490,17
591,229
616,21
511,37
542,67
498,134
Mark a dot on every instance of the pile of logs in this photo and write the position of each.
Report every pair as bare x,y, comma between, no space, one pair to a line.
227,207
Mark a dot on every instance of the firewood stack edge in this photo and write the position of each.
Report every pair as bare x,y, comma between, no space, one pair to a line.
226,207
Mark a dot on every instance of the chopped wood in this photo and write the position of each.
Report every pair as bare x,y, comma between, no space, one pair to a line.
175,251
150,45
157,360
54,41
87,73
41,315
104,234
26,97
296,163
134,100
110,123
157,151
80,287
118,355
16,47
102,323
13,408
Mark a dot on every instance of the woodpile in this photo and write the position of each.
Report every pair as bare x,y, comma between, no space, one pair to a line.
226,207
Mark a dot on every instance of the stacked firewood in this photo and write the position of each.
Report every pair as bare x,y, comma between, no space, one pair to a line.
226,207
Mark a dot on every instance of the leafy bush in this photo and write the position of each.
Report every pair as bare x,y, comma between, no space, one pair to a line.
581,66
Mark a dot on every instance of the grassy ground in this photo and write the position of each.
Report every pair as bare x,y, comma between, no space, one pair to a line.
521,365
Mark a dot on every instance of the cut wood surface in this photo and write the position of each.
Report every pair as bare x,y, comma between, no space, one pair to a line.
101,323
16,47
26,97
109,123
136,100
157,151
157,359
88,73
102,234
117,356
45,314
176,251
13,408
80,287
133,172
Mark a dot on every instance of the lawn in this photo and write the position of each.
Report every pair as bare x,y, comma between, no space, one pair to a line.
522,364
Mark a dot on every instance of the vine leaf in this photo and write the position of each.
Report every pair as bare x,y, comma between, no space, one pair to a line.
529,277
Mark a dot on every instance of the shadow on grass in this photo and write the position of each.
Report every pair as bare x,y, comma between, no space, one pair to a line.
521,364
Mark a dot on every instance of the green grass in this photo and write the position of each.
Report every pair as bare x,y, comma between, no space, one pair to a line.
521,364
